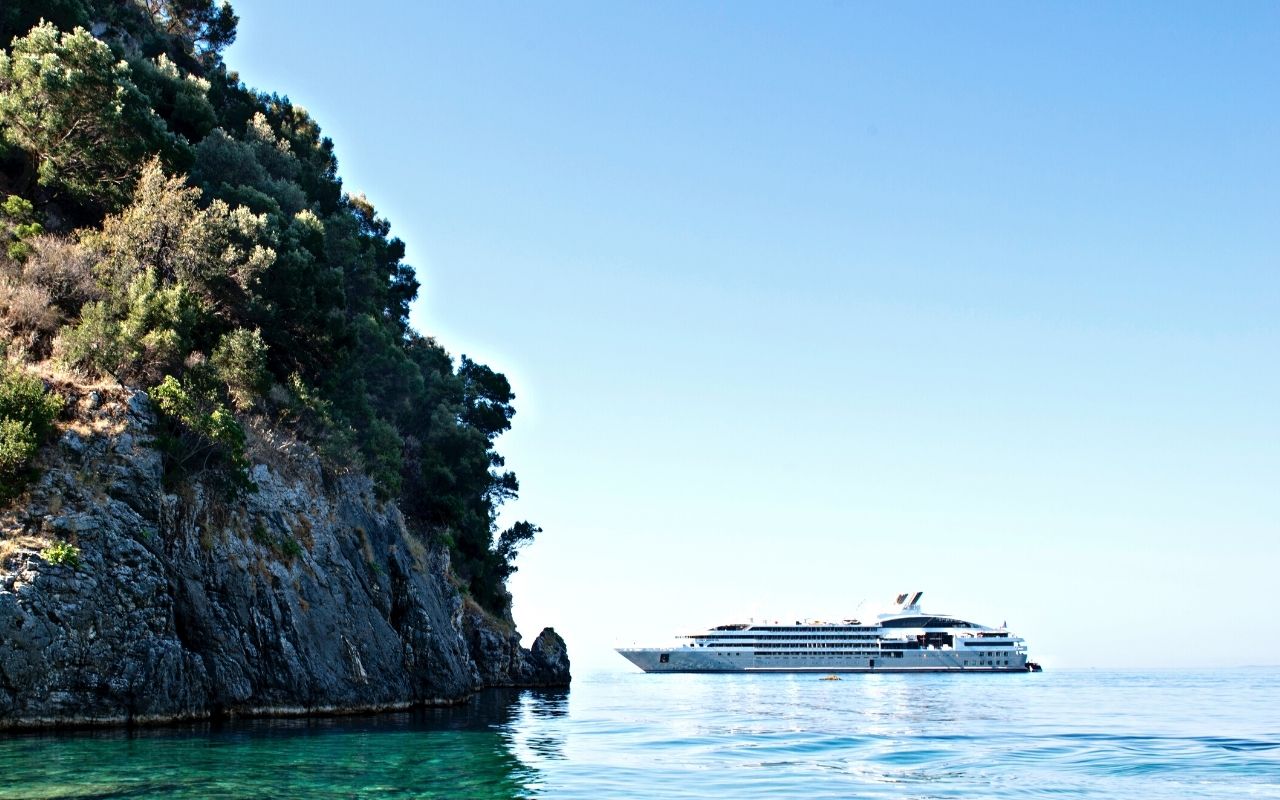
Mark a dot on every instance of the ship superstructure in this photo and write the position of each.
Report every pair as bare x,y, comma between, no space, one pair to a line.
907,639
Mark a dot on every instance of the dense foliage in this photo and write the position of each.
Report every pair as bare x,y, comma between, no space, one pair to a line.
27,413
164,225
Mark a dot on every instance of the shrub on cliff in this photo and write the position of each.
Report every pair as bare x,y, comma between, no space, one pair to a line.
19,223
198,434
27,413
240,361
63,554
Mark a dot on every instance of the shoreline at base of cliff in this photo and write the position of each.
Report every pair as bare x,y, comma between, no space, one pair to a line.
182,606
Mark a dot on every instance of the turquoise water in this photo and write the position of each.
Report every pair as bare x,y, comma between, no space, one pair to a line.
1063,734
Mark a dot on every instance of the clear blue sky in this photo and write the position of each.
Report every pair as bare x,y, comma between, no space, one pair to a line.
810,304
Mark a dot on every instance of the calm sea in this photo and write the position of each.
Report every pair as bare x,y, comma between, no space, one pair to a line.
1061,734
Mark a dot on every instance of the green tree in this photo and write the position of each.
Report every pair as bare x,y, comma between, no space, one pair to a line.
203,27
180,98
19,16
259,173
510,542
240,360
486,399
256,283
216,252
69,104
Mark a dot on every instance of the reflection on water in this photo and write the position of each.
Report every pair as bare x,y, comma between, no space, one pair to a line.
467,751
1156,736
542,739
1065,734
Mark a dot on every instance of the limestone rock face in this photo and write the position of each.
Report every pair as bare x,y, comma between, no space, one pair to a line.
503,662
306,596
549,660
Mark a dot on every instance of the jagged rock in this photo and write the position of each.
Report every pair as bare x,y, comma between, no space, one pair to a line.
306,596
495,646
548,660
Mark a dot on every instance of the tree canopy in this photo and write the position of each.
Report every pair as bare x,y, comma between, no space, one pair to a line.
70,106
191,237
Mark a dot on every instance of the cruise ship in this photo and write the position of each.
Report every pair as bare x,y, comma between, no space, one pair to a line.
907,639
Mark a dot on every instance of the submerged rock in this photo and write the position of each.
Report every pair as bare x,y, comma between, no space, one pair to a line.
306,596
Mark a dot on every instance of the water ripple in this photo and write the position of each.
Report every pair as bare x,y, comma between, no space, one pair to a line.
1056,735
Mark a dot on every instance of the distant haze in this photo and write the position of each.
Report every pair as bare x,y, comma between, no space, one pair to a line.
811,304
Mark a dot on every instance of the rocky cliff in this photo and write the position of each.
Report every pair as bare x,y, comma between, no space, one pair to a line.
306,596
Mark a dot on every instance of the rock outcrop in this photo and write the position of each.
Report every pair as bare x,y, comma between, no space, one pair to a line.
306,596
503,662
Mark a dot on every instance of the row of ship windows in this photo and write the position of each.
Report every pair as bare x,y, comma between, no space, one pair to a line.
811,655
883,654
967,662
904,622
739,636
869,645
823,644
823,629
870,642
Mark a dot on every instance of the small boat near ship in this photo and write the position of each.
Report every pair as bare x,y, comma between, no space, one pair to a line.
907,639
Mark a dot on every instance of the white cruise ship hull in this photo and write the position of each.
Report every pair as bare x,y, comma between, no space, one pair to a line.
690,659
905,640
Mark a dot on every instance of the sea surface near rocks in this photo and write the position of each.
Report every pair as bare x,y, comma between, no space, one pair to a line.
1093,734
